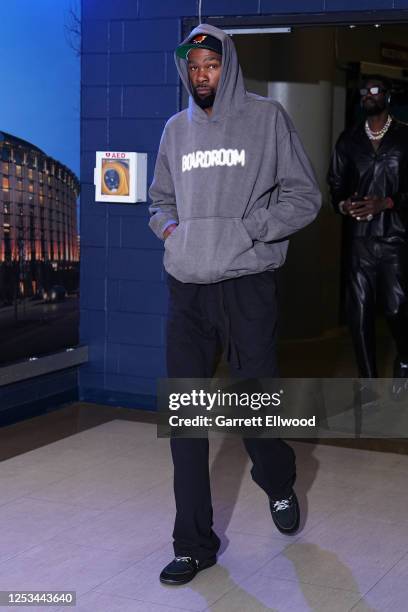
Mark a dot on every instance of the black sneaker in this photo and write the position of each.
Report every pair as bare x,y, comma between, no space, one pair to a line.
285,514
183,569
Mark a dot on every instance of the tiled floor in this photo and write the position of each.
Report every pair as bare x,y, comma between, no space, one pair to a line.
93,513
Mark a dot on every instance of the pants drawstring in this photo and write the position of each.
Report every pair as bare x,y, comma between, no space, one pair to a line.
230,346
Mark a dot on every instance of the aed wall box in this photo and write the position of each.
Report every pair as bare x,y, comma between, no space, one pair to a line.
120,176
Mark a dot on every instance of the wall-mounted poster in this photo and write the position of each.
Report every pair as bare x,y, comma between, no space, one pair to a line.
39,185
120,176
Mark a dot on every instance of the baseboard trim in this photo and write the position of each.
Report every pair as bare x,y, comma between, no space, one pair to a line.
110,397
9,416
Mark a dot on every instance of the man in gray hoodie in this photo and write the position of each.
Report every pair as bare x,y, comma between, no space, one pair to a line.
231,183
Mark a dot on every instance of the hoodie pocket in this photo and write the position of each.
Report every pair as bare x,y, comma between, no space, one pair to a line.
208,250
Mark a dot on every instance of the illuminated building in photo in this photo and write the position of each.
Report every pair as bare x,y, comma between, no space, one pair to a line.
38,217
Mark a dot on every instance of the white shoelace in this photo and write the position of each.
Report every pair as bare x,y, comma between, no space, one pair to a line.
183,559
282,504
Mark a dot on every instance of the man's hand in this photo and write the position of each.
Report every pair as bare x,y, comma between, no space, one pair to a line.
365,209
347,206
168,230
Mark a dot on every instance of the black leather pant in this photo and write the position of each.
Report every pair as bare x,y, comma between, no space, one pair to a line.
377,269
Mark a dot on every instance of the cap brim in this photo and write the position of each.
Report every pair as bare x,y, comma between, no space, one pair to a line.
183,50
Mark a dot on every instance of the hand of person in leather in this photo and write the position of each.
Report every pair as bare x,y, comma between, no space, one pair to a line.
369,205
168,230
347,207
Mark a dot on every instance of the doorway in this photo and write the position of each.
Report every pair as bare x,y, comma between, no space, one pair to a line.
313,72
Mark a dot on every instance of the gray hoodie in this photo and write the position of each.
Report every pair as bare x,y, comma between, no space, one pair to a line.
237,182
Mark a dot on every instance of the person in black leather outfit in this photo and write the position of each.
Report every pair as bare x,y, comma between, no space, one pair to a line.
368,179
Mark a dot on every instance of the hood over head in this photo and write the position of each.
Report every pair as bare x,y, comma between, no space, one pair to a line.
231,90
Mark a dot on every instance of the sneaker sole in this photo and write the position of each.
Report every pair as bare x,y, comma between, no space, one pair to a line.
291,530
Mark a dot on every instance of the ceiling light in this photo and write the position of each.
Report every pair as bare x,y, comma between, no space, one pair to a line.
257,31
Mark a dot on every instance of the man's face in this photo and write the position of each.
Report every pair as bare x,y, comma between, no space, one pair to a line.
374,104
204,69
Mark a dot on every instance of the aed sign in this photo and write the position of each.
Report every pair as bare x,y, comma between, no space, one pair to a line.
116,155
120,176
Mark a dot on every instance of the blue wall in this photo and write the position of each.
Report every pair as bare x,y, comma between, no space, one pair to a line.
129,89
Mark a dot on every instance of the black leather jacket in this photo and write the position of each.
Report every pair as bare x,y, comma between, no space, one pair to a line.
357,167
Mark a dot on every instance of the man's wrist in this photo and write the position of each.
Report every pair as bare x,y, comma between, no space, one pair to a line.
169,230
389,203
169,224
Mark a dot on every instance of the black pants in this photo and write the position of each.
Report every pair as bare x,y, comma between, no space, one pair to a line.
376,270
239,315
